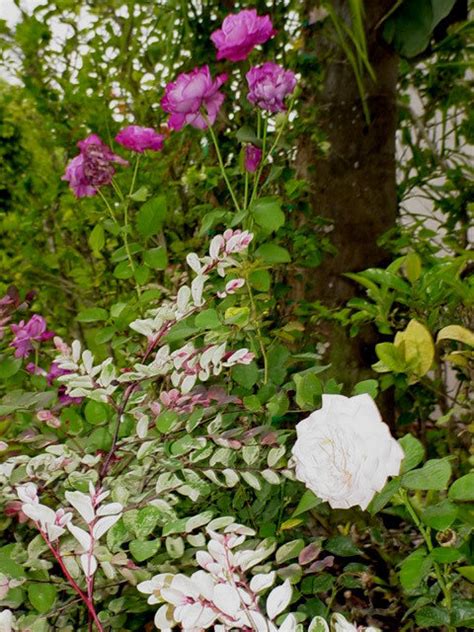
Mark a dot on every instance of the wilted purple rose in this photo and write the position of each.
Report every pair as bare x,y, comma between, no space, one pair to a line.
191,93
92,168
269,85
139,138
240,33
253,157
27,333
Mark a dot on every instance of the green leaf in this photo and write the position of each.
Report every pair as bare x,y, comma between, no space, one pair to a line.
308,388
382,498
440,516
146,521
429,616
261,280
123,270
142,551
96,413
9,366
434,474
271,253
289,551
92,314
367,386
342,546
151,216
247,135
156,258
166,421
391,358
414,569
414,452
207,319
42,596
467,572
307,501
97,239
245,374
446,554
462,490
239,316
268,214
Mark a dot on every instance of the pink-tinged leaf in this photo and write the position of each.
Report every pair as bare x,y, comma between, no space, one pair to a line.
103,525
320,565
82,503
279,599
309,553
81,536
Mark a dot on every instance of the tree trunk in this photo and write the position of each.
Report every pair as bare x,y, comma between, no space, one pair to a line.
353,185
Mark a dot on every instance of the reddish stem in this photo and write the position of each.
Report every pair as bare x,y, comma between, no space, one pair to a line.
88,602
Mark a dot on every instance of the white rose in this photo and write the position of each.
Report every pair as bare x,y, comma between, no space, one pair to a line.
344,452
6,621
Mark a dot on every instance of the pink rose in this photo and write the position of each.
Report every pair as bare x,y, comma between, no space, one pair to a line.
92,168
240,33
139,138
269,85
191,93
253,157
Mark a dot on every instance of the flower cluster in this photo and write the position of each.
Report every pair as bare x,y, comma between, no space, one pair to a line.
344,452
194,98
26,335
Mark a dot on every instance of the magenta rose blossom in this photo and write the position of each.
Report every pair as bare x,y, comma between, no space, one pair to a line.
92,168
139,138
25,334
253,157
191,93
240,33
269,85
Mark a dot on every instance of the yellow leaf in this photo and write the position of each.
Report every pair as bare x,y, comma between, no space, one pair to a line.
290,524
456,332
412,267
417,346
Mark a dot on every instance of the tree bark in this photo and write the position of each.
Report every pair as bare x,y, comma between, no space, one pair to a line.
354,184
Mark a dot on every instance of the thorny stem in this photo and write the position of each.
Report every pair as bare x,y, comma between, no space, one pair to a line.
88,600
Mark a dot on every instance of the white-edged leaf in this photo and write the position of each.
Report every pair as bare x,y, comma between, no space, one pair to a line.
279,599
262,581
82,503
81,536
103,525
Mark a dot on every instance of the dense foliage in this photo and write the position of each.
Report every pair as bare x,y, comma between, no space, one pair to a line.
177,450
